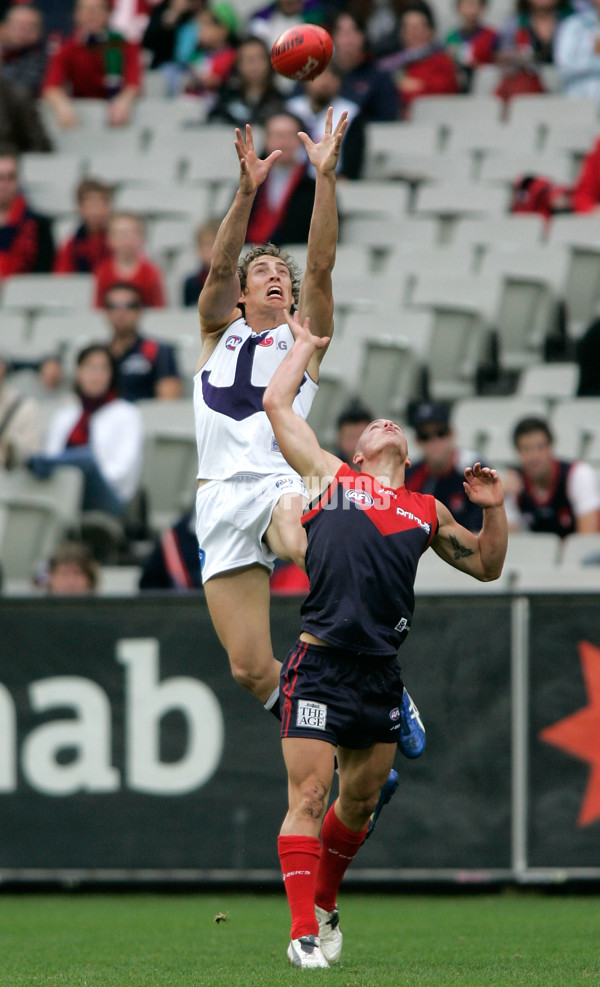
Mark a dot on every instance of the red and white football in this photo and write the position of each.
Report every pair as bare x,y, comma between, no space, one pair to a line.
302,52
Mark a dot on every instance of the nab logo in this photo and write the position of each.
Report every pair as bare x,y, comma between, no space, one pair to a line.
232,342
267,341
360,497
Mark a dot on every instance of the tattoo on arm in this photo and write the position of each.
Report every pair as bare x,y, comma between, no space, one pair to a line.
460,551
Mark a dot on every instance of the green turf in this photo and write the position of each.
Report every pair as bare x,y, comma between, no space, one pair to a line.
139,940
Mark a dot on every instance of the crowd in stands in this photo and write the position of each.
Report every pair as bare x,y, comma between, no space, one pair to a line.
386,57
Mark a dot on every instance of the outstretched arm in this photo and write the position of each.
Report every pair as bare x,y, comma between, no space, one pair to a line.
294,436
221,292
482,555
316,295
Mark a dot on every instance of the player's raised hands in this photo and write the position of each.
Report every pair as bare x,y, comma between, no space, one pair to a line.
324,154
302,334
483,486
253,170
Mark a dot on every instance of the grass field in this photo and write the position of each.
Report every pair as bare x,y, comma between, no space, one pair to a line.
139,940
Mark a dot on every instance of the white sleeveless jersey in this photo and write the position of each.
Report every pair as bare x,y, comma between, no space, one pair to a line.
233,433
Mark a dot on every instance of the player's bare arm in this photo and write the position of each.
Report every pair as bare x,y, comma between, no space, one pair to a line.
480,555
294,436
316,295
219,297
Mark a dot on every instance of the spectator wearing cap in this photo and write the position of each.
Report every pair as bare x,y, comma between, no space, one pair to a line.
212,61
440,472
351,423
146,368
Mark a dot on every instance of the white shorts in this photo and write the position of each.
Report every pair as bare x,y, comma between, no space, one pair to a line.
232,516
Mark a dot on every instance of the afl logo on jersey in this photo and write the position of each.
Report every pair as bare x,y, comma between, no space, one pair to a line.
360,497
267,341
232,342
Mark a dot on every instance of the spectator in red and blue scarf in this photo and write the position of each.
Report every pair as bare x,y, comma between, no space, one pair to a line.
26,243
472,42
88,247
146,368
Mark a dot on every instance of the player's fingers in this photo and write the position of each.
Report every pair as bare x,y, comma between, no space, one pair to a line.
329,120
341,124
249,137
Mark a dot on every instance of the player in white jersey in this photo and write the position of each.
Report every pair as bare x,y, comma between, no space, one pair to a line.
249,501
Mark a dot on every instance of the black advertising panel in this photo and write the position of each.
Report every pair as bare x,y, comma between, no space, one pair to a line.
453,807
564,733
126,746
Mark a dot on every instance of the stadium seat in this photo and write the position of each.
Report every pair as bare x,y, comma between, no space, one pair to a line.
435,577
503,167
541,112
37,514
328,402
136,167
559,579
162,201
531,548
40,292
212,156
576,425
486,424
170,459
51,169
390,377
370,199
582,550
385,235
450,201
507,233
13,333
582,284
553,381
119,580
528,310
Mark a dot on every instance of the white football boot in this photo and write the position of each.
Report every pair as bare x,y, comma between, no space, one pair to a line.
305,952
330,934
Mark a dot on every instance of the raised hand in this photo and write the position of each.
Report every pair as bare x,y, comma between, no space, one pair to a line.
302,334
483,486
253,170
324,155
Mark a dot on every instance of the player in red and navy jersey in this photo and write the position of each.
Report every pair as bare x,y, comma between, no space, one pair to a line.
341,686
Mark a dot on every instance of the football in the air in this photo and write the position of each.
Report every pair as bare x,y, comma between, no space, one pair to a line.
302,52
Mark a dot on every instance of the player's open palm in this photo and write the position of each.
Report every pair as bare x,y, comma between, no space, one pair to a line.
253,170
483,486
324,155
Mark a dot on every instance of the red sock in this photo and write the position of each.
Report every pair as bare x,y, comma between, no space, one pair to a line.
299,859
339,846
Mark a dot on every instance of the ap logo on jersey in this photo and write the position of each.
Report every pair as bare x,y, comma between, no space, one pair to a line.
360,497
232,342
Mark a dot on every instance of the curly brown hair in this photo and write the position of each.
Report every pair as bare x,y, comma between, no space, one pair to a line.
270,250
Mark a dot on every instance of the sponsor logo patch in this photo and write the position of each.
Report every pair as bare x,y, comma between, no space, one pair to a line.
282,345
267,341
360,497
286,482
311,714
232,342
395,714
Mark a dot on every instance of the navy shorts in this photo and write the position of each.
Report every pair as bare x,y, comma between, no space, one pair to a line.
337,696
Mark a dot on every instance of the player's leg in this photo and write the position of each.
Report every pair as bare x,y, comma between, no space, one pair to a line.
285,536
238,602
309,764
362,774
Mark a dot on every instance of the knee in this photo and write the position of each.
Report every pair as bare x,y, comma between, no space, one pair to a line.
358,810
247,669
310,800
